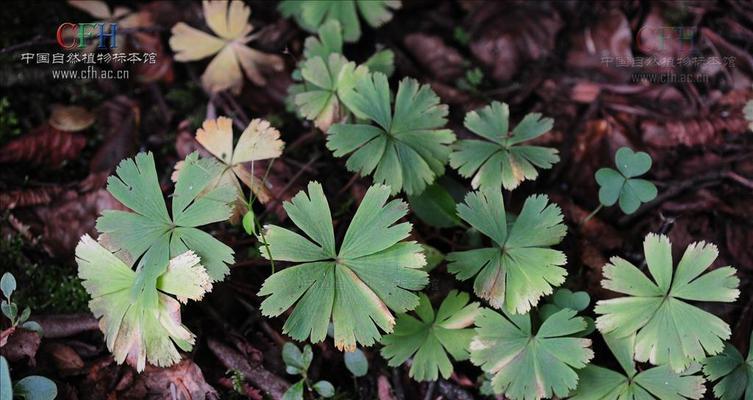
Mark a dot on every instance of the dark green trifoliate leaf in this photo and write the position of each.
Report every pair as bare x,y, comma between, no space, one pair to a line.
295,392
732,373
520,267
7,284
356,363
668,329
622,185
373,271
499,160
598,383
528,365
432,336
324,388
435,206
311,15
35,388
406,147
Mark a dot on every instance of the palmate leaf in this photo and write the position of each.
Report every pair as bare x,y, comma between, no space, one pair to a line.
520,268
312,14
406,149
733,373
668,329
431,337
327,82
148,327
148,232
374,270
528,365
622,185
259,141
228,20
500,159
598,383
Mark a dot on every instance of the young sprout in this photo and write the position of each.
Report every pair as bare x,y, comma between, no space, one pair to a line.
622,184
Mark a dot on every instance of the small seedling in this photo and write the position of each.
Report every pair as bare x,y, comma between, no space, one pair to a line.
501,159
622,185
432,336
528,365
374,270
407,149
565,298
10,309
653,383
669,330
228,20
472,80
32,387
311,15
297,363
520,267
733,372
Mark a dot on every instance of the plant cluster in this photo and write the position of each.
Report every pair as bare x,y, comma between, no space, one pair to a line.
366,287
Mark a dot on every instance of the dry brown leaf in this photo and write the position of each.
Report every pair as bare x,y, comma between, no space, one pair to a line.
70,118
43,146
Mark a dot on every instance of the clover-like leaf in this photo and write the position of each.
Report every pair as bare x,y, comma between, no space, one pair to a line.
621,184
327,83
259,141
500,159
565,298
520,268
229,22
311,15
431,336
732,373
407,149
150,234
669,330
528,365
140,326
599,383
355,287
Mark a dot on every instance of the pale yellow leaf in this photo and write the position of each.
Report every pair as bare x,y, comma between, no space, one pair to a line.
223,73
216,135
254,61
191,44
229,20
259,141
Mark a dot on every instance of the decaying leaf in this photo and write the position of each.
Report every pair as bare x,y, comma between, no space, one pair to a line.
259,141
229,22
70,118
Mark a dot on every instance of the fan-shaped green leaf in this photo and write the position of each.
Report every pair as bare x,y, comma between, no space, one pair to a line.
312,14
520,268
355,287
528,365
150,233
598,383
669,330
499,160
407,149
429,338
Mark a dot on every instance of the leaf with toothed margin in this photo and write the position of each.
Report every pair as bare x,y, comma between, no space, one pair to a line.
520,267
356,287
527,365
668,329
432,337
